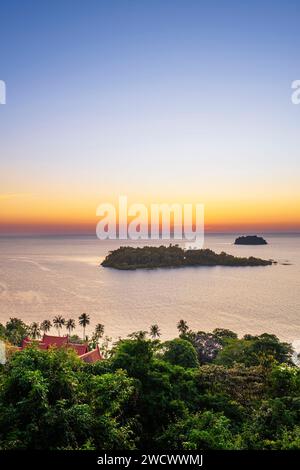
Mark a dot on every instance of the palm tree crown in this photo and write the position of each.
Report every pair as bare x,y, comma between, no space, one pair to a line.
139,335
154,331
46,325
70,325
34,330
99,331
84,320
58,322
182,327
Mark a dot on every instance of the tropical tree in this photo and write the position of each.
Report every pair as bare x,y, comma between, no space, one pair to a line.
207,430
207,345
84,320
34,330
77,410
180,352
134,355
140,335
70,325
182,327
45,326
265,350
105,347
154,331
59,322
16,330
99,331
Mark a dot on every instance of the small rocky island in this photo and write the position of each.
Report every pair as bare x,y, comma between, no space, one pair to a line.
150,257
250,240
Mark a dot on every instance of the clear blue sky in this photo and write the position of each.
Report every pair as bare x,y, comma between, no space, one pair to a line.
169,99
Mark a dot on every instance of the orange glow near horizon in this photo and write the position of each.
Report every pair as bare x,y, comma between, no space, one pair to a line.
31,214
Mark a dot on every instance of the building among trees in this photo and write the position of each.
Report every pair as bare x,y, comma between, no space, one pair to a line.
48,342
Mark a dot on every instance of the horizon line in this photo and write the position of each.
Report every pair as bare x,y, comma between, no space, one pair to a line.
92,234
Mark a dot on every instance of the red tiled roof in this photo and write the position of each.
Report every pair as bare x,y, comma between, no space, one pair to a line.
79,348
92,356
61,341
55,340
28,342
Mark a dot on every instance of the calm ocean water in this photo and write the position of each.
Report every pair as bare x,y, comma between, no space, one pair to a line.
43,277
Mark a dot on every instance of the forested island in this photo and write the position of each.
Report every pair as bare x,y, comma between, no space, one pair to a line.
250,240
199,391
173,256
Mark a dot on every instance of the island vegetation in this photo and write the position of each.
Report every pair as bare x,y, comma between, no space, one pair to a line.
198,391
250,240
173,256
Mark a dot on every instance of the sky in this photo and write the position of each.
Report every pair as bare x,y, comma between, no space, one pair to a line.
183,101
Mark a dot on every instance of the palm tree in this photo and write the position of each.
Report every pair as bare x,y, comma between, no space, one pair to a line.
70,325
35,330
84,320
139,335
45,326
59,322
182,327
99,331
154,331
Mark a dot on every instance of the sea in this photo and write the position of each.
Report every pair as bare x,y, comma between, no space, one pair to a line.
45,276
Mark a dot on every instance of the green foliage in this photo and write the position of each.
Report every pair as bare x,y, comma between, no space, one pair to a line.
16,331
49,401
290,440
264,349
273,423
134,356
181,353
243,385
223,334
205,431
2,331
284,380
245,394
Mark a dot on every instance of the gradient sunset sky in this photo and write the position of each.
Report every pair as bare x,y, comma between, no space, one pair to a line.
162,101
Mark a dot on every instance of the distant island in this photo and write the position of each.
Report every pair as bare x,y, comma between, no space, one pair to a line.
250,240
150,257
